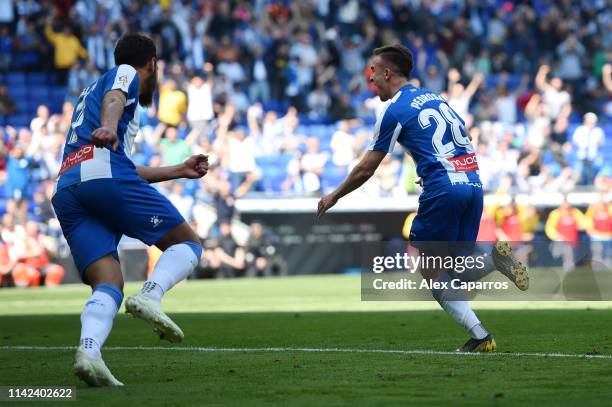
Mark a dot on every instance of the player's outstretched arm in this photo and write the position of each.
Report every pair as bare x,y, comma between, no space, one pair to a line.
360,174
194,167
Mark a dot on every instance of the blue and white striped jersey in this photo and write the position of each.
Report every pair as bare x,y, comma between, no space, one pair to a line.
434,135
81,160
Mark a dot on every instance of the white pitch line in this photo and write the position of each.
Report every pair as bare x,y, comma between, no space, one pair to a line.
316,350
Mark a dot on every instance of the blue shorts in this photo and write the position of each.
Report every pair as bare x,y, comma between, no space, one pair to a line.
448,214
95,214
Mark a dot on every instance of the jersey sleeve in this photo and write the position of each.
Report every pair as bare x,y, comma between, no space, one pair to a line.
125,79
386,131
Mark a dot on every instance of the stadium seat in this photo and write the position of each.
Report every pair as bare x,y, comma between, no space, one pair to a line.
18,120
38,94
37,78
22,105
17,90
13,78
57,92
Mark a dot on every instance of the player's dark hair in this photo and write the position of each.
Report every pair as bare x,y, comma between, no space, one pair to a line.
398,56
135,50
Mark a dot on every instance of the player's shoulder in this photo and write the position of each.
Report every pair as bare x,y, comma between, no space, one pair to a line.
124,72
406,102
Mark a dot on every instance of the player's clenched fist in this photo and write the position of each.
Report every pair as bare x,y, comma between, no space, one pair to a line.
195,166
104,136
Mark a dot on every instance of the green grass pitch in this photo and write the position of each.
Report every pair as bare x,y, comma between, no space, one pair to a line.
311,341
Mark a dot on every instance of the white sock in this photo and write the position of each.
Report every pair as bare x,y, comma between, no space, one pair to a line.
456,305
97,317
174,265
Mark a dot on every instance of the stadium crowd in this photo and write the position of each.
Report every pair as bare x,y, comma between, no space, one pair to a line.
276,93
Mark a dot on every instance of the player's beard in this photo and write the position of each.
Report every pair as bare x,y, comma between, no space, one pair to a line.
148,90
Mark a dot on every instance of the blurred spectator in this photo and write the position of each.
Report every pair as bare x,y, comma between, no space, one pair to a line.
68,49
562,227
606,77
7,104
173,149
259,90
603,179
341,108
200,107
570,53
517,223
261,255
79,77
172,103
224,202
434,81
559,145
599,228
587,138
554,98
318,101
311,166
538,123
41,119
487,231
182,202
239,99
17,183
7,264
167,33
459,96
342,145
241,157
226,258
505,101
387,174
6,48
29,47
33,261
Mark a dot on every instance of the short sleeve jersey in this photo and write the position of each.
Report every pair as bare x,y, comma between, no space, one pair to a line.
82,161
432,133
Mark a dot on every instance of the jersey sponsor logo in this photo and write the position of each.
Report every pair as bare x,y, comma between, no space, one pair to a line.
465,163
84,153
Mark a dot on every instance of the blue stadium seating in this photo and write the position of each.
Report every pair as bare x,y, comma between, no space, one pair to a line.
14,78
19,120
22,105
17,90
37,79
39,94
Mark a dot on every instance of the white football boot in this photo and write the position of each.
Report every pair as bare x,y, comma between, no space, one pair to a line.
93,371
150,310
